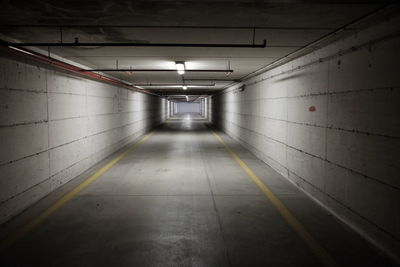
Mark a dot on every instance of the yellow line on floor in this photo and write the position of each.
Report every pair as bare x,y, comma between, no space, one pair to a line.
312,244
21,232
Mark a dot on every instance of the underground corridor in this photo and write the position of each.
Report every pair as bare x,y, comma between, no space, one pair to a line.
199,133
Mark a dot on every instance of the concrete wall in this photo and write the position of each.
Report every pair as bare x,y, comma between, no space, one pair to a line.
329,122
210,108
204,108
54,126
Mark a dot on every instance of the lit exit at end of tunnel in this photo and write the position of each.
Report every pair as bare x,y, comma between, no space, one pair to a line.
199,133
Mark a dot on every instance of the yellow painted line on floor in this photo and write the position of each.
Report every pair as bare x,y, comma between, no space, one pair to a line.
21,232
312,244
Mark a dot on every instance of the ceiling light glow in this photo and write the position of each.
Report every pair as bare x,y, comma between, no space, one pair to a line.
180,67
184,87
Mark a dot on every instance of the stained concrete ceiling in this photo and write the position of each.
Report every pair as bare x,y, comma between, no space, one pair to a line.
286,25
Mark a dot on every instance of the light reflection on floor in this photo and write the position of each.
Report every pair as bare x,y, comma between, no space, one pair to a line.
187,120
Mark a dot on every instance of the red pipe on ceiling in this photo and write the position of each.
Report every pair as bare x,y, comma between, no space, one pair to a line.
57,63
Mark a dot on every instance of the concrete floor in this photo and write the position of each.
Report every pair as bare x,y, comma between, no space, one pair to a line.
179,199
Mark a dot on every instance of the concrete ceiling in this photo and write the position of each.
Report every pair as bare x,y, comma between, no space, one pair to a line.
286,25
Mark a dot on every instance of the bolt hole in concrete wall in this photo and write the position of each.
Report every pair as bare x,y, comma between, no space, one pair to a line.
55,125
329,122
188,108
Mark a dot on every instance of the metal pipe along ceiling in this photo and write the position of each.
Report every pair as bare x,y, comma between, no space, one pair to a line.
78,44
155,70
57,63
173,84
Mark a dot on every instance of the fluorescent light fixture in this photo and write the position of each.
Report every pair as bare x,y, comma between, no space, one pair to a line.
180,67
20,50
184,87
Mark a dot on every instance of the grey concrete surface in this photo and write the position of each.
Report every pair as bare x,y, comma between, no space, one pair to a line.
55,125
286,26
179,199
328,121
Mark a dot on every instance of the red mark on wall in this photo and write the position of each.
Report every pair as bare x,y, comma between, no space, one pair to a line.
312,109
